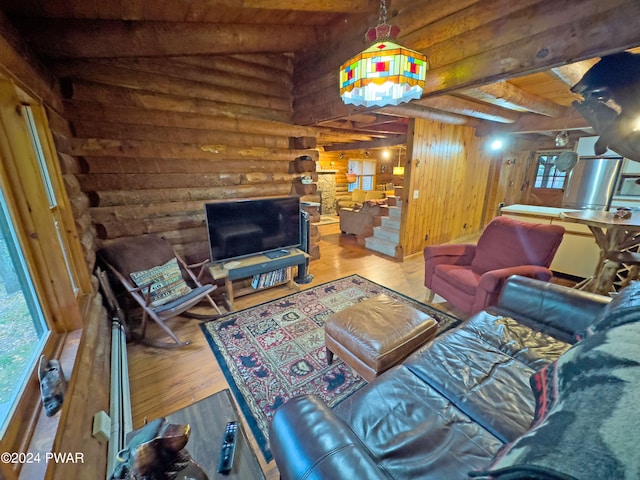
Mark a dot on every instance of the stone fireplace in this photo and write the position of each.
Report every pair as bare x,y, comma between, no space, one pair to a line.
327,191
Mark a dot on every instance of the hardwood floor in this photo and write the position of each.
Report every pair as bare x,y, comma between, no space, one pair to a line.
163,381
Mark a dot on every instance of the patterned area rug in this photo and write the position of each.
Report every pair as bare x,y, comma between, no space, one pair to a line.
275,351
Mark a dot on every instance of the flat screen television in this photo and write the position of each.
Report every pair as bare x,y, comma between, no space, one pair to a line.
242,227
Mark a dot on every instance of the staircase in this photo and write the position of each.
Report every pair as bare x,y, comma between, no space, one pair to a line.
386,237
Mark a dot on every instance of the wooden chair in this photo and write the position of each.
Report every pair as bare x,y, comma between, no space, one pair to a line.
159,280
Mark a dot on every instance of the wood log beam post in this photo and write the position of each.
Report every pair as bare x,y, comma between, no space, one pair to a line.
100,93
411,110
572,73
509,96
58,38
99,72
302,143
461,106
377,143
102,147
534,123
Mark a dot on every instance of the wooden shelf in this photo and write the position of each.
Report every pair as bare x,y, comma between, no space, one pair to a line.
244,268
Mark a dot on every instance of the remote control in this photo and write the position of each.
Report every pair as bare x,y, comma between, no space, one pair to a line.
228,449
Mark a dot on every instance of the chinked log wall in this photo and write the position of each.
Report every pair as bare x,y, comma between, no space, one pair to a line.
156,140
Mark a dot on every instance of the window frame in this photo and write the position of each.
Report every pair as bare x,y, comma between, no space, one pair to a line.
564,176
360,175
36,232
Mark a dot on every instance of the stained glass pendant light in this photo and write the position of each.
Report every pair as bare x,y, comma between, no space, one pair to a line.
385,73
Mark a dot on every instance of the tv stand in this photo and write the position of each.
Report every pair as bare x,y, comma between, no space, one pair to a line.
244,268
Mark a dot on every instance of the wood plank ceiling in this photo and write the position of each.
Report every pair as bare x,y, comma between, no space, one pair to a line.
497,65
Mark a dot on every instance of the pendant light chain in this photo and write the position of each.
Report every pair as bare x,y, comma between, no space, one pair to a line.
382,18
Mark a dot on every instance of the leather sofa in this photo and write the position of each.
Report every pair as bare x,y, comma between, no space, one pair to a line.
358,197
540,385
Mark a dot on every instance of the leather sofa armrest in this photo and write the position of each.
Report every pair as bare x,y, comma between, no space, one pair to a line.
568,310
309,441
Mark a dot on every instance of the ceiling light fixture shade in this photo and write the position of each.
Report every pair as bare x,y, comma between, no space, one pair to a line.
385,73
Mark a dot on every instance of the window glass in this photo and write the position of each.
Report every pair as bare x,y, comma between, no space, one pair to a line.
547,175
22,325
365,171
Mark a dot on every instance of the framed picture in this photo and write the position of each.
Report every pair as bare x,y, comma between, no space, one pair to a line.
384,168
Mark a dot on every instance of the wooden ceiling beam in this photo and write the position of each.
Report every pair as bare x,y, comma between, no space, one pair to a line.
116,39
411,110
377,143
181,9
509,96
331,6
572,73
461,106
533,123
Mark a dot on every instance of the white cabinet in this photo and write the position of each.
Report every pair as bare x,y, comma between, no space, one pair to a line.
578,253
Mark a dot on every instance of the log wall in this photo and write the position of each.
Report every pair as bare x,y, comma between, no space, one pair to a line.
156,140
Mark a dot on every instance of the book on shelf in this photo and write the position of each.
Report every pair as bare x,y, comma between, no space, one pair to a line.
269,279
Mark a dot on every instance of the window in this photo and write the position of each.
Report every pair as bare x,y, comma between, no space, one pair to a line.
22,325
365,171
547,175
43,274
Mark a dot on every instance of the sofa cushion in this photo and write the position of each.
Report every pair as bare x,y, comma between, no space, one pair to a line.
484,367
508,243
373,195
459,276
594,394
409,428
358,196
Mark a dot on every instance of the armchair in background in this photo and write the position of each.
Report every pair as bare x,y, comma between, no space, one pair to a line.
360,221
159,280
470,277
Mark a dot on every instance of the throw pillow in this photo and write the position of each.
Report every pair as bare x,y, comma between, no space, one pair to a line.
358,196
586,417
165,281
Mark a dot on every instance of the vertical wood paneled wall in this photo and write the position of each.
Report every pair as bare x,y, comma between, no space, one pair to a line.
158,139
453,175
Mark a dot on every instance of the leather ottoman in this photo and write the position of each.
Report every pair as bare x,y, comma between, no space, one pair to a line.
376,334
